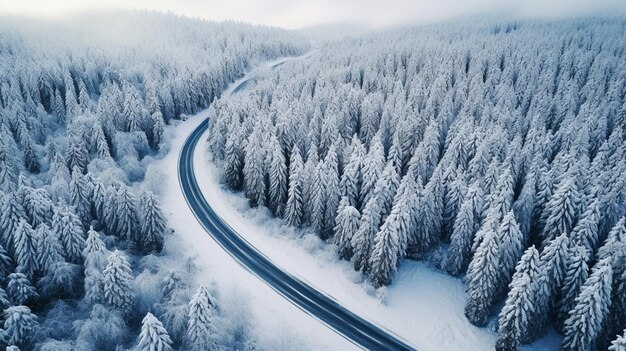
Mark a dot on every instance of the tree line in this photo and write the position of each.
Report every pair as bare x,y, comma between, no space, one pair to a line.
494,149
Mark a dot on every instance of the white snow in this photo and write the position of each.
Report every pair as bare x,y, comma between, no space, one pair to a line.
279,325
422,306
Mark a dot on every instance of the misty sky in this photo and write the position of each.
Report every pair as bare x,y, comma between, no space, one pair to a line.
304,13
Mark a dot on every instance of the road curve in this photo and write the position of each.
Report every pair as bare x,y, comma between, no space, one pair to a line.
354,328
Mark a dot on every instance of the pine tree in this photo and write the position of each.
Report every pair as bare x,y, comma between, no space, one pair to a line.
352,178
68,228
331,192
20,290
563,210
153,335
465,226
10,215
514,317
616,235
452,202
510,243
234,159
117,278
619,344
48,249
294,208
77,156
98,199
484,277
348,219
277,175
38,207
153,225
19,325
254,170
576,274
127,219
585,233
551,271
372,169
95,255
386,251
80,194
99,140
592,305
110,210
201,330
25,248
363,239
158,127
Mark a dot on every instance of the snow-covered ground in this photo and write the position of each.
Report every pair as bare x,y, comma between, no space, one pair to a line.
422,306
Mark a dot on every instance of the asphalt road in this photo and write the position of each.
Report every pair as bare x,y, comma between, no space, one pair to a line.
354,328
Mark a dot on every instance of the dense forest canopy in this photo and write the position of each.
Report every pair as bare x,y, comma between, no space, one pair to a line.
83,106
494,149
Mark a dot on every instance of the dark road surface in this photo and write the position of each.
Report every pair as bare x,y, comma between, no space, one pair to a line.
354,328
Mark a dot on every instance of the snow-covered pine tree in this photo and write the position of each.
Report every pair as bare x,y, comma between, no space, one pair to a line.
11,213
563,210
515,316
153,225
77,156
347,223
234,159
619,344
25,253
254,169
153,335
67,227
352,177
585,233
616,236
19,325
576,273
484,280
95,255
373,166
294,209
20,290
453,198
331,192
128,219
551,271
510,243
117,278
363,240
277,175
48,249
201,330
592,305
465,226
80,195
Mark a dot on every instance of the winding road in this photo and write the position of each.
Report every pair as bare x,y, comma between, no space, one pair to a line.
354,328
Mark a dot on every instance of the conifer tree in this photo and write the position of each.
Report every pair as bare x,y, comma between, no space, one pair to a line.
619,344
201,330
465,226
348,219
10,215
514,319
576,274
48,249
484,280
95,255
68,228
20,290
591,307
25,253
277,174
372,169
294,208
352,177
153,335
153,225
254,170
563,210
80,194
19,325
117,278
234,160
127,224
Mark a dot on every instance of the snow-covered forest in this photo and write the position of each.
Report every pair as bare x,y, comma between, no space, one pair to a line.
84,103
494,150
